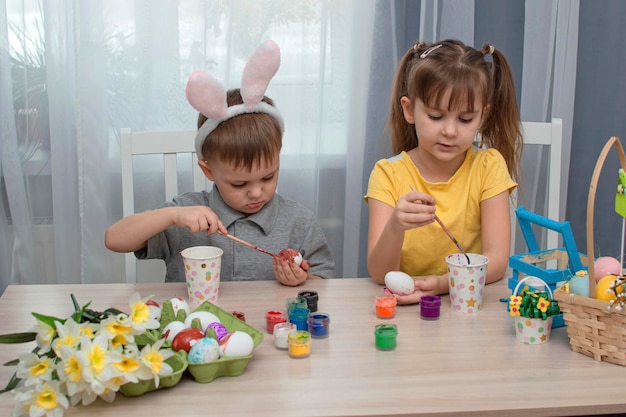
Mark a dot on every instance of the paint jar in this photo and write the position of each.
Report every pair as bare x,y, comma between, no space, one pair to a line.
319,325
300,317
241,316
385,335
273,317
385,306
281,334
295,302
430,306
311,298
299,344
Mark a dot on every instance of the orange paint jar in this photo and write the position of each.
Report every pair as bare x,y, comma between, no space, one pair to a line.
385,306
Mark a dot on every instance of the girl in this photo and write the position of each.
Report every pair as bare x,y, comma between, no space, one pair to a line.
238,144
444,94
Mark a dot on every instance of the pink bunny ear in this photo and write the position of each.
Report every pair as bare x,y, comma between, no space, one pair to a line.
258,72
206,95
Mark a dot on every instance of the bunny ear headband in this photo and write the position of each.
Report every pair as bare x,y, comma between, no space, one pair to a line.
208,96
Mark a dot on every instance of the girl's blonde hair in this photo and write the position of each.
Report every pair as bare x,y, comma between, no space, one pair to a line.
246,140
428,72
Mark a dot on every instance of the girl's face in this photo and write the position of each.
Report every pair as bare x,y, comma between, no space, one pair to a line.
444,135
246,192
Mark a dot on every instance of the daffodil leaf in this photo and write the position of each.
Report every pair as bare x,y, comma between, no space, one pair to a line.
13,382
14,362
49,320
18,337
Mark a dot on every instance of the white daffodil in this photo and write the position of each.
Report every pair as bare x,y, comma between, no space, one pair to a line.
97,360
153,360
69,334
34,369
45,399
140,316
119,330
45,336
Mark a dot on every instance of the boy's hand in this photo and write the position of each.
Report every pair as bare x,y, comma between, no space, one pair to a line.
289,273
197,219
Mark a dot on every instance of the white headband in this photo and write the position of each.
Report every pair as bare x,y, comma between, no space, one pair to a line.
208,96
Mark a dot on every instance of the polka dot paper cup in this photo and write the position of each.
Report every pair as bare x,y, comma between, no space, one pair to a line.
202,272
466,281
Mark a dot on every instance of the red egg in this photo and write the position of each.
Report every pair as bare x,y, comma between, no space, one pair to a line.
186,338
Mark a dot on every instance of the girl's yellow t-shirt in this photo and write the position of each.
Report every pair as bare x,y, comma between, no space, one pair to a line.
484,174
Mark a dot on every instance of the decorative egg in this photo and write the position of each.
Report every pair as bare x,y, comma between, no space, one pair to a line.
399,283
155,309
606,265
179,304
204,350
205,318
186,338
220,330
171,330
236,344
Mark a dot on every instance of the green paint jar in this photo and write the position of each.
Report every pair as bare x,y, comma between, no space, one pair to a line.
385,335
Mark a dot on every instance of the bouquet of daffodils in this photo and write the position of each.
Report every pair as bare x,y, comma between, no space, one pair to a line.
85,356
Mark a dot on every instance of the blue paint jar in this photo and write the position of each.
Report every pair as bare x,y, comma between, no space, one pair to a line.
319,325
300,317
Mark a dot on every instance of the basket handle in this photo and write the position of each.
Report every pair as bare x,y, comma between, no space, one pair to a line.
613,141
545,284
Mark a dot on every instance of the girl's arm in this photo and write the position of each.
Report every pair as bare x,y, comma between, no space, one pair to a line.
386,230
496,234
132,232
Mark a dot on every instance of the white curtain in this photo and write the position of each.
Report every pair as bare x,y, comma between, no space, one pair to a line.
73,73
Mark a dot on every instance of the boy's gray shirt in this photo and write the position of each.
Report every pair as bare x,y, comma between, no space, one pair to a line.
281,224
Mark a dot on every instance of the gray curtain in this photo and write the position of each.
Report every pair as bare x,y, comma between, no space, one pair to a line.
557,74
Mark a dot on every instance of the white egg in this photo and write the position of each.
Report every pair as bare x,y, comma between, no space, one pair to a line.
236,344
203,351
205,318
155,312
399,283
298,259
171,330
179,304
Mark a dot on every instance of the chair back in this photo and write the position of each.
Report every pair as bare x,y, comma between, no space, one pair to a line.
169,145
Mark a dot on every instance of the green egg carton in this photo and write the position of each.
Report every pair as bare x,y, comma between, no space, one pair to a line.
178,362
224,366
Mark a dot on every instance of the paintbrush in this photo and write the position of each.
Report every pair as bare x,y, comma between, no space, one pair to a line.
450,235
248,244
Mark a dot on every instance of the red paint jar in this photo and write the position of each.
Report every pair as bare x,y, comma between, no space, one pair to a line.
273,317
385,306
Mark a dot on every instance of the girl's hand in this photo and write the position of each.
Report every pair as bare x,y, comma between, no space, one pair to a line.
414,209
289,273
424,286
197,219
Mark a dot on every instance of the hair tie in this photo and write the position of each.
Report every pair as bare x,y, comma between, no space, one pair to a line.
418,45
208,96
430,50
488,49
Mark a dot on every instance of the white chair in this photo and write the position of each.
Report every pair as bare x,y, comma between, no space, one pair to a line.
169,145
549,135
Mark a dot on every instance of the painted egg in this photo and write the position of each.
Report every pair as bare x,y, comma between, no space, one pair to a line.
399,283
171,330
236,344
186,338
179,304
155,309
220,330
205,318
606,265
203,351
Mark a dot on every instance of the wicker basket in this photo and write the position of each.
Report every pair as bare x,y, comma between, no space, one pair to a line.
593,329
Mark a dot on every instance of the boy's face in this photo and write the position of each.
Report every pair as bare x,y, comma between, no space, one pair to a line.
246,192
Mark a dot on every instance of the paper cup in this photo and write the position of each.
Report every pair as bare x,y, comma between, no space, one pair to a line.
466,281
202,272
532,331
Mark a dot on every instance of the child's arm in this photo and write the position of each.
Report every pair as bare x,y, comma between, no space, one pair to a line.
387,226
496,234
132,232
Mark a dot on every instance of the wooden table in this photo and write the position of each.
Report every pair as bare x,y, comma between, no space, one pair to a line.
461,364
